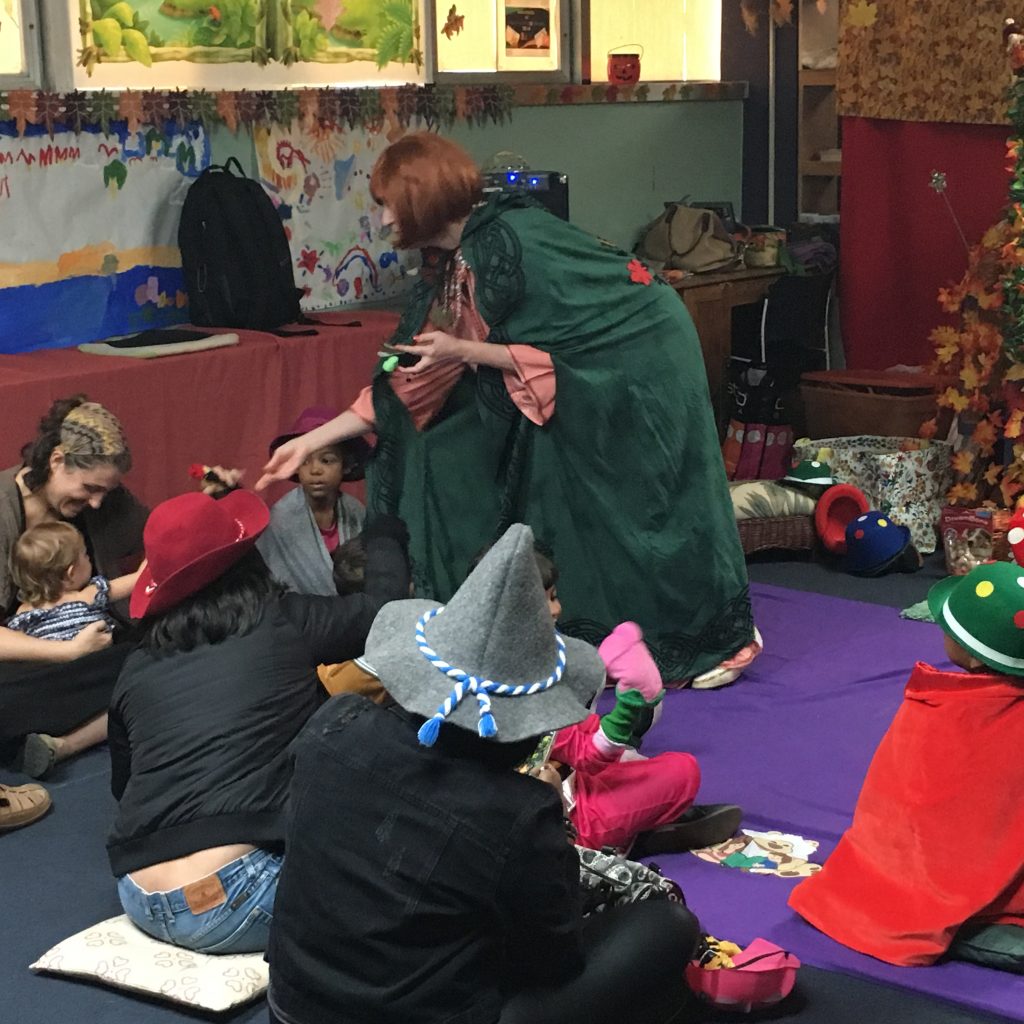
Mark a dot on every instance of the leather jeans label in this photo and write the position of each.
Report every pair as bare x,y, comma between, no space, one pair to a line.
205,894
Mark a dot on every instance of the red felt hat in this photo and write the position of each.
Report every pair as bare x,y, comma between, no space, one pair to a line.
356,449
191,541
836,509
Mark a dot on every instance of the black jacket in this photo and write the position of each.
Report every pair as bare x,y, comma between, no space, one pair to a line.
199,739
419,886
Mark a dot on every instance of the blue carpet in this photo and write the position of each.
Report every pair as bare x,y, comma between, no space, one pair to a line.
57,881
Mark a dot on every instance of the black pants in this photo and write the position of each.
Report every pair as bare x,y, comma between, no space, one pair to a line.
55,698
635,961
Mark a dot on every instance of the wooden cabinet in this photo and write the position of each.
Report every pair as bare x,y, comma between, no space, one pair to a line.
710,298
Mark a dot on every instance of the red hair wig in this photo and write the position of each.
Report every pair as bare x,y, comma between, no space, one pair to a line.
428,182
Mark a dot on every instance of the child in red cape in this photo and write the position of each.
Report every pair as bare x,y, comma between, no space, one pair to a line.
937,840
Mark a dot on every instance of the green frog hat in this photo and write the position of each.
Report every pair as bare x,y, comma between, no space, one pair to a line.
984,613
811,472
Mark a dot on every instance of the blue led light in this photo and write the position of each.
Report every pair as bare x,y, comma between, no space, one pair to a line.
512,177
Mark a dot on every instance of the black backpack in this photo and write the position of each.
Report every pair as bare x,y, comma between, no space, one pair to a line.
234,254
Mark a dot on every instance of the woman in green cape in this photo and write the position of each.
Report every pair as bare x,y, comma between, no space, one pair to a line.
546,377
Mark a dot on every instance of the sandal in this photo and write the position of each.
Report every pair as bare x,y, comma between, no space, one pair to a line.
732,668
21,805
702,825
38,755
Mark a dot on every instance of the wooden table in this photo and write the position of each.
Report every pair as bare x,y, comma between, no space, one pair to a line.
710,298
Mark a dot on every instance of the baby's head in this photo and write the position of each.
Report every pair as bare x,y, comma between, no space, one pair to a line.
47,561
982,615
349,566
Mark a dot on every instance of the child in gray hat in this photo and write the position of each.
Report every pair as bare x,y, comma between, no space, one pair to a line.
426,880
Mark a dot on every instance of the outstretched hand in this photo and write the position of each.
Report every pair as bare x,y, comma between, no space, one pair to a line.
433,347
284,463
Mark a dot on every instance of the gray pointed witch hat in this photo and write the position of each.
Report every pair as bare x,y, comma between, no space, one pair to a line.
496,630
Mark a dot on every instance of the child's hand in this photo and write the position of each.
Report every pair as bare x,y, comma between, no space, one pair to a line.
95,637
217,479
548,773
284,463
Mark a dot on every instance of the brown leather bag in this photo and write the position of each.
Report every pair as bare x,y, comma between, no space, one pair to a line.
685,238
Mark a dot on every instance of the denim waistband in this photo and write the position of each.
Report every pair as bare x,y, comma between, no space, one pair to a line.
173,901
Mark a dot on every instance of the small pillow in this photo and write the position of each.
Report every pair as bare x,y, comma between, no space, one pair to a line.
992,945
118,954
766,499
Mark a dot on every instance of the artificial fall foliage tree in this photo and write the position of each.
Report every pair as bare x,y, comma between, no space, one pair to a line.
983,354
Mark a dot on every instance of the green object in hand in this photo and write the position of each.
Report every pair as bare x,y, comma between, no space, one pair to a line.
389,364
618,724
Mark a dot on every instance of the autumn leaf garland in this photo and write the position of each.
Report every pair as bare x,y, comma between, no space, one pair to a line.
984,354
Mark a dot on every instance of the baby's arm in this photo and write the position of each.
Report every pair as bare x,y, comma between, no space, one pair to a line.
122,587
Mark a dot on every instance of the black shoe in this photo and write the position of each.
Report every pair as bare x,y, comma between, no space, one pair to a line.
702,825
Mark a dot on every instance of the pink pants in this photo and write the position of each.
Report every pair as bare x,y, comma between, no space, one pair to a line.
616,799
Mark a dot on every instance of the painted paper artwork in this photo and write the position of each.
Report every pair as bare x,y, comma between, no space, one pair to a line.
319,182
257,43
89,247
205,31
381,31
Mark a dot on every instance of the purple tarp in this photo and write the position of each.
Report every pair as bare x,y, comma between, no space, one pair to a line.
790,742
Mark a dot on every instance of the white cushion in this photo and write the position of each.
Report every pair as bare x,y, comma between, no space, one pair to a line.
118,954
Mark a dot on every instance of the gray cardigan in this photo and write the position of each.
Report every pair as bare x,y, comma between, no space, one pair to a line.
292,546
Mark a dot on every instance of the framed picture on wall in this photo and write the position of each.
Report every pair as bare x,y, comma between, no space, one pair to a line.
145,32
232,44
369,35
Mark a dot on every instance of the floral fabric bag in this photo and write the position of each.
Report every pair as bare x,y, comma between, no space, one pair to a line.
905,477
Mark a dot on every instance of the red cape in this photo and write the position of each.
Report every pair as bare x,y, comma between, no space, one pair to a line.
938,834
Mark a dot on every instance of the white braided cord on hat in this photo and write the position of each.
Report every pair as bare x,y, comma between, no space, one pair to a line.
480,688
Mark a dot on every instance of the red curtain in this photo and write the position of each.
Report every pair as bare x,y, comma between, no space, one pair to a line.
899,243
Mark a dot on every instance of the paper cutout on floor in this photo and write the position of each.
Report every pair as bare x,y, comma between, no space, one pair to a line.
764,853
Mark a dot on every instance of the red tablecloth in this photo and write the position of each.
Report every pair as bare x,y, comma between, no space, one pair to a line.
219,406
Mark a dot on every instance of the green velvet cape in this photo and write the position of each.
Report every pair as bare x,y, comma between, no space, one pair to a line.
625,484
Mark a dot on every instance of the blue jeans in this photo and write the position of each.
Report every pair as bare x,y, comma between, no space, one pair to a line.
239,924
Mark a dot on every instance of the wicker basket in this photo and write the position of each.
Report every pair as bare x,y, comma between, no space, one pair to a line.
844,403
785,533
